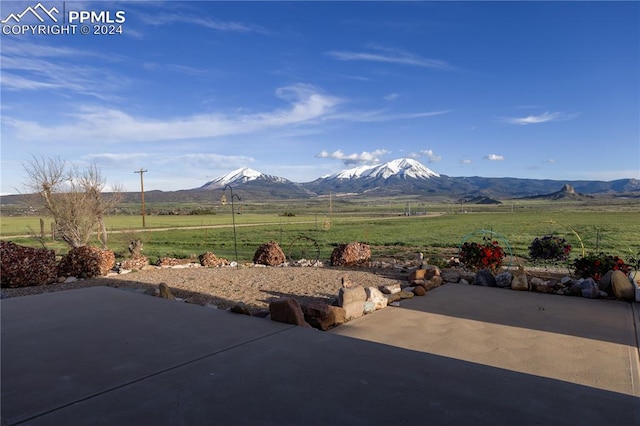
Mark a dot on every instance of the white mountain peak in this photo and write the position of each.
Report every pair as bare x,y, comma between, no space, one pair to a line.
402,167
241,175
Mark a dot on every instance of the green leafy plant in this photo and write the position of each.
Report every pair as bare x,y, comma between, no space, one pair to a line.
487,255
549,247
596,265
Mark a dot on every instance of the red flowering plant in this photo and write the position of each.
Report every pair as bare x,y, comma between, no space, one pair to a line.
487,255
549,248
596,265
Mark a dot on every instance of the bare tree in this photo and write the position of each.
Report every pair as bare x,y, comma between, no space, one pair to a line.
73,197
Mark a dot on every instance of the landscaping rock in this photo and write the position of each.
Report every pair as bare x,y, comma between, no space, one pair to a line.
87,262
419,290
432,283
165,292
26,266
503,279
350,254
269,254
352,301
519,280
589,288
405,294
287,310
605,282
369,307
623,288
322,316
376,297
484,278
450,275
417,274
241,308
391,288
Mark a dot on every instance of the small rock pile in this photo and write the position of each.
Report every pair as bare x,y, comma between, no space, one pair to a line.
210,260
350,254
269,254
86,262
26,266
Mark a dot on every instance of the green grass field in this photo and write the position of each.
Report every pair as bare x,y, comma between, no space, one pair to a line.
380,223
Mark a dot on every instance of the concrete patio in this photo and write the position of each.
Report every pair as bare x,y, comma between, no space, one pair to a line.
459,355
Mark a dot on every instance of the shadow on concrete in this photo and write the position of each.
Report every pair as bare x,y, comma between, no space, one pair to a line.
605,320
101,356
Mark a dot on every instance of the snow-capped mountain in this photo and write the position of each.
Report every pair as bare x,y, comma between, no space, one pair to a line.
402,168
242,175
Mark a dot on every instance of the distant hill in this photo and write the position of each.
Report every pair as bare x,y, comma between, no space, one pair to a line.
566,193
404,176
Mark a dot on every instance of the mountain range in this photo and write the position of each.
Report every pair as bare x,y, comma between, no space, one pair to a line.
406,176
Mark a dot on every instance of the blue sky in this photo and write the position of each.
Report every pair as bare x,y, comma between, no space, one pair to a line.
193,90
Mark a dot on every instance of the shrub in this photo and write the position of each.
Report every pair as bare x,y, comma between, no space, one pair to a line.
596,265
549,247
487,255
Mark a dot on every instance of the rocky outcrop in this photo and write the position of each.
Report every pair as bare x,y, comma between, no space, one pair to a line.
87,262
26,266
350,254
269,254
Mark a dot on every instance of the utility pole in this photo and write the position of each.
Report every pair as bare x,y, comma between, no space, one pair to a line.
142,172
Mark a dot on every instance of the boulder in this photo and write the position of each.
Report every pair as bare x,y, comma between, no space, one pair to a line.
391,288
417,274
26,266
165,292
241,308
289,311
623,288
450,275
350,254
419,290
369,307
352,301
377,297
541,286
484,278
503,279
589,288
605,282
87,262
209,260
322,316
269,254
432,283
519,280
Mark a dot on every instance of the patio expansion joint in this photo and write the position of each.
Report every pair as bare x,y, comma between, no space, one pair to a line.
150,375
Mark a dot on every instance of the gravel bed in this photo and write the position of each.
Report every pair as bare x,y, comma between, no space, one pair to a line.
224,287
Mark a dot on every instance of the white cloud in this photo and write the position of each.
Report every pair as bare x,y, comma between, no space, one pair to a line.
168,18
542,118
427,153
391,97
307,105
494,157
465,161
388,55
355,158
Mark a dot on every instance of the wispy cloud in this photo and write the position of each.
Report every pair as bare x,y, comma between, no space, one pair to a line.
307,105
541,118
391,97
364,157
494,157
168,18
465,161
428,154
30,67
388,55
385,115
